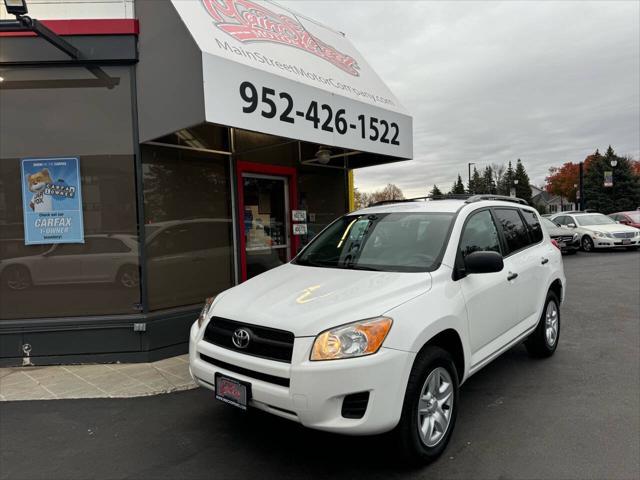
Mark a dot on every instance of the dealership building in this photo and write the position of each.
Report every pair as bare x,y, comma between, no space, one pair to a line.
214,139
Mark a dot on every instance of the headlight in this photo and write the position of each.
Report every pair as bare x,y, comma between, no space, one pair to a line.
575,237
352,340
205,310
600,234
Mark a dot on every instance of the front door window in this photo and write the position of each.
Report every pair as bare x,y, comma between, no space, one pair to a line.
266,222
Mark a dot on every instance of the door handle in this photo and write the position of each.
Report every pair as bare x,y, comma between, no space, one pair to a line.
544,261
512,276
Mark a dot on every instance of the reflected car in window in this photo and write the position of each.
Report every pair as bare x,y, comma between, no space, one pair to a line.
100,259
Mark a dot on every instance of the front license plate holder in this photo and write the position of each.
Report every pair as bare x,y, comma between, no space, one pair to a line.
626,241
232,391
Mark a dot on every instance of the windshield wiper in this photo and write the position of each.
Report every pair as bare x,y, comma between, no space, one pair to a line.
363,267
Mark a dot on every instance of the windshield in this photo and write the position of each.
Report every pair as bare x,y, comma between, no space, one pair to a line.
548,223
595,219
391,242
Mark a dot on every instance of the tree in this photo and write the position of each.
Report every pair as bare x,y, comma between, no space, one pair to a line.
625,192
498,172
360,199
561,180
523,187
506,181
390,192
475,183
435,191
458,187
488,182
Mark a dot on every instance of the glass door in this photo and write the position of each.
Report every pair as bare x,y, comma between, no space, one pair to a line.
267,241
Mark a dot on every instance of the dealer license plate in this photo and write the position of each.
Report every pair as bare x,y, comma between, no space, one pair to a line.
232,391
626,241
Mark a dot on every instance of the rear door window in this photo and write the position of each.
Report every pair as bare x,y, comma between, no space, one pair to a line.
535,229
513,229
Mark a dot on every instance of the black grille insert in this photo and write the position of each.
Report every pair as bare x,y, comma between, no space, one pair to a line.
265,377
264,342
354,405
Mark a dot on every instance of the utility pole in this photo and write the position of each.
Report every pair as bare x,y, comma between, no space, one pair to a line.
581,203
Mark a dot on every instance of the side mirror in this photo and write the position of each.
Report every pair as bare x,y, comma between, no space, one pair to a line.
571,225
483,262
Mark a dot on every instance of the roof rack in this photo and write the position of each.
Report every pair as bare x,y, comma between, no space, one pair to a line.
446,196
503,198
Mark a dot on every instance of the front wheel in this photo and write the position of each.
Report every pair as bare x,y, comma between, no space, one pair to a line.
587,244
430,406
544,340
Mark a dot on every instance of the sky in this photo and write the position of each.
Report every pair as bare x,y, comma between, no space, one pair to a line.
488,81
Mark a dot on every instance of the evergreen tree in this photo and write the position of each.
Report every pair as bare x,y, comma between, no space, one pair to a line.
435,191
475,183
506,182
523,188
458,187
625,192
488,183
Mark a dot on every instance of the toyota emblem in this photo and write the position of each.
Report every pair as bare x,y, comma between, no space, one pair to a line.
241,338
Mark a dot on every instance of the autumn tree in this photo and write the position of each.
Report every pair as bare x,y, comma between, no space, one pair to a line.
390,192
561,180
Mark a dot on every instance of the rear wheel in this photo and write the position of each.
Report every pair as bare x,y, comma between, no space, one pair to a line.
587,244
129,276
430,406
544,340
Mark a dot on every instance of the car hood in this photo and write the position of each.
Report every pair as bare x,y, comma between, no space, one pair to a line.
308,300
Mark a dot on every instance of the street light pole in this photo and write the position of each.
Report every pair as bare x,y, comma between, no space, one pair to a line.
469,168
613,162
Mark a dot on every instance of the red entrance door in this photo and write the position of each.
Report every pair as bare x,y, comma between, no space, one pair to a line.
266,196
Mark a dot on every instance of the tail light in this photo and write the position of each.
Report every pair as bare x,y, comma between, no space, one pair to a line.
555,244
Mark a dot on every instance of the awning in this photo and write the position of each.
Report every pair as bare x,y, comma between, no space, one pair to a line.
268,69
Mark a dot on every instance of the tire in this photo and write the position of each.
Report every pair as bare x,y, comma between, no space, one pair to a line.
587,244
128,276
433,367
544,340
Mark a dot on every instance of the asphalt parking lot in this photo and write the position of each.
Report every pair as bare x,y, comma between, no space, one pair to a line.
576,415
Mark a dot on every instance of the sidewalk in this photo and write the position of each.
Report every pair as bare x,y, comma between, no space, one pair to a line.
95,381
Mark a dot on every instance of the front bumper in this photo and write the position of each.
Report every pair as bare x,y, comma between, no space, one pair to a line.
316,389
606,242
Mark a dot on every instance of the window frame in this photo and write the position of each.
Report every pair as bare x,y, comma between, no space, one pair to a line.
501,233
459,270
529,228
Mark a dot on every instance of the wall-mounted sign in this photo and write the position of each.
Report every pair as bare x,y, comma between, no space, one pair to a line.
608,179
299,228
299,215
52,201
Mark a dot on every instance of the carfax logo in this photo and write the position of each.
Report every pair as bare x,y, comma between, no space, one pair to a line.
249,22
52,203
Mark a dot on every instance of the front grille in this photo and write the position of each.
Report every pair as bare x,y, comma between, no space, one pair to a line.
284,382
264,342
624,234
564,238
355,405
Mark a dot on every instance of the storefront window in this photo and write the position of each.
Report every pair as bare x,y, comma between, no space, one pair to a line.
188,226
67,112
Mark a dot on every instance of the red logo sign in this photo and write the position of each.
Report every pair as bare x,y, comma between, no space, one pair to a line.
249,22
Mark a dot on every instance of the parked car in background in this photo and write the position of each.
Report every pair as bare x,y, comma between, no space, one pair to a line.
377,321
598,231
569,242
631,218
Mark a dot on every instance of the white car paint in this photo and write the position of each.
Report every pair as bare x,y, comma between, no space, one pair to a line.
603,236
487,312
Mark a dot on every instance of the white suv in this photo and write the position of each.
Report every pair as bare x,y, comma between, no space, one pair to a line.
376,323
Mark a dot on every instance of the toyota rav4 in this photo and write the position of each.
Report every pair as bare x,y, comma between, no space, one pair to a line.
378,321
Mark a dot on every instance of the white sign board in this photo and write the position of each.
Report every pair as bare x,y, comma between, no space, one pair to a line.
299,228
271,70
299,215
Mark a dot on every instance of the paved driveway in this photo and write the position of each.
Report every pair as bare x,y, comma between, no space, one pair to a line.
575,415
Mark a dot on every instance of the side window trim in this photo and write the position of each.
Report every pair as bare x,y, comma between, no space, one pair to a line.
530,228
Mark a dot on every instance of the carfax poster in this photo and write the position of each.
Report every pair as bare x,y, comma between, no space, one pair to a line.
52,201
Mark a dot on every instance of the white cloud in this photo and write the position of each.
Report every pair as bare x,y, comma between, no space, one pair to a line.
489,82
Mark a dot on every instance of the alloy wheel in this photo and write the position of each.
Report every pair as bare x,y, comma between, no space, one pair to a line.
551,323
435,407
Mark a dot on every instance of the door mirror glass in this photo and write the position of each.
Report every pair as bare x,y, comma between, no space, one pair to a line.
483,262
